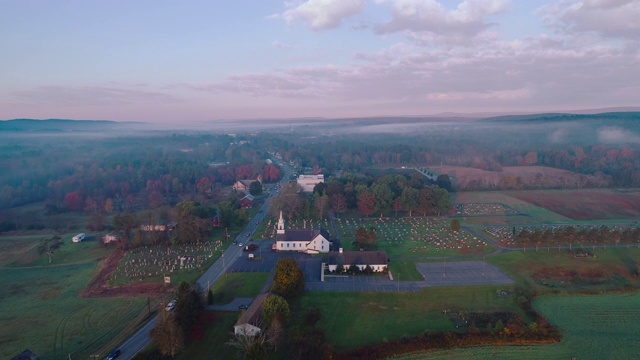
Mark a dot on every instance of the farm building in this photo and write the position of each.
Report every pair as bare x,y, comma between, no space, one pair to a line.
307,241
110,237
308,182
249,321
159,227
376,260
243,185
247,201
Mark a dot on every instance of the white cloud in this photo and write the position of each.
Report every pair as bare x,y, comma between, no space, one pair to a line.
323,14
609,18
469,18
89,95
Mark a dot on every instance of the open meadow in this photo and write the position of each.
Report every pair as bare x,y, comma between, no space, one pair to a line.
352,320
42,311
593,327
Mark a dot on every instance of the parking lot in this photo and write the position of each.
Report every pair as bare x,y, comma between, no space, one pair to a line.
453,273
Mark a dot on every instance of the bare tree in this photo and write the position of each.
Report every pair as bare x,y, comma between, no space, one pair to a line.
49,246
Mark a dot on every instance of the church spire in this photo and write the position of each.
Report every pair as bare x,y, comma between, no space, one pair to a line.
281,224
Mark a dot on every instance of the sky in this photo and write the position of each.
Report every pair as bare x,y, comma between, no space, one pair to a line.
192,61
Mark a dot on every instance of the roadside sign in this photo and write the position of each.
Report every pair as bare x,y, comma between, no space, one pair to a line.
167,280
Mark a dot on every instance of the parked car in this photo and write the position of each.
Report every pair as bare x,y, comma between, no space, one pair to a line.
251,247
170,306
114,354
243,307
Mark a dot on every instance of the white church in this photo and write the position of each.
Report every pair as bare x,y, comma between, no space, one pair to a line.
307,241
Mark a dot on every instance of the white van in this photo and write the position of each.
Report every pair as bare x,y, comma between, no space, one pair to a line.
78,238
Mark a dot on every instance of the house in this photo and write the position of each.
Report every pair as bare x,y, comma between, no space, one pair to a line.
247,201
249,322
308,182
377,260
110,237
159,227
307,241
243,185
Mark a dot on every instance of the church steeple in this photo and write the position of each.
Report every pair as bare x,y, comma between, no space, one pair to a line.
280,224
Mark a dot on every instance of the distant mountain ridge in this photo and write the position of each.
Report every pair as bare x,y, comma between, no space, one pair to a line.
57,125
555,117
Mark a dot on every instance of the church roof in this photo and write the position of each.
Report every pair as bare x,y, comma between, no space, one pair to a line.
357,258
301,235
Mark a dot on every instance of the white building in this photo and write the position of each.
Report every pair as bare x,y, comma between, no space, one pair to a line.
307,241
376,260
250,320
308,182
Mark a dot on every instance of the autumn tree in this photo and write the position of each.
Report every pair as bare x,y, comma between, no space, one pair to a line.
274,306
74,201
321,203
367,203
365,237
125,223
108,206
167,334
338,203
288,279
50,246
455,225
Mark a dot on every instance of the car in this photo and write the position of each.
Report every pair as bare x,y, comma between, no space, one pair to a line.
240,244
248,235
114,354
170,306
243,307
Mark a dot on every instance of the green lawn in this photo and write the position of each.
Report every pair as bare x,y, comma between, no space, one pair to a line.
593,327
233,285
351,320
611,269
405,271
41,311
213,342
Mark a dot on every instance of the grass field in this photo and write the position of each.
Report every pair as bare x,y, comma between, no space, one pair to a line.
594,327
213,342
504,197
413,237
233,285
558,271
41,311
405,271
352,320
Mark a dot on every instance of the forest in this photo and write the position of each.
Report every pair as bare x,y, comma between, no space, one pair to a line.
116,168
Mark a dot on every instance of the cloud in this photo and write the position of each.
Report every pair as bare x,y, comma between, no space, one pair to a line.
615,135
89,96
609,18
430,16
323,14
280,45
487,95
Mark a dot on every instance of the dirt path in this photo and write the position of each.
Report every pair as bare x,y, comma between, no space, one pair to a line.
98,287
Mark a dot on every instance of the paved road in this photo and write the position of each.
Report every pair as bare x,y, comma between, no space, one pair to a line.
141,339
232,306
